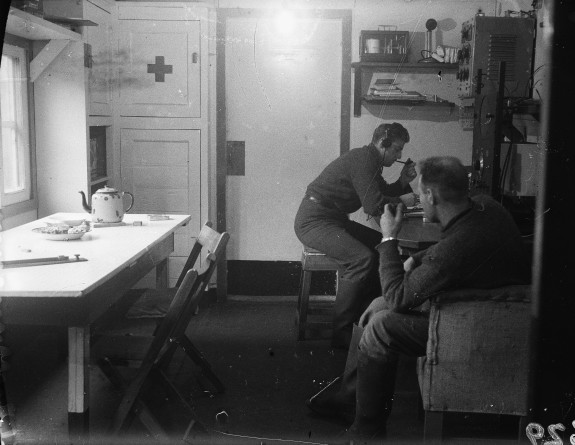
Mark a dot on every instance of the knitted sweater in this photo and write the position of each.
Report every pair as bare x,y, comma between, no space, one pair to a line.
354,180
481,248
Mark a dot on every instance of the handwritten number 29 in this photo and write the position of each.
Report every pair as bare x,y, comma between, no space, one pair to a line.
535,431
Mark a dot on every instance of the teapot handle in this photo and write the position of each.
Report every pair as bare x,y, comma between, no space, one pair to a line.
131,203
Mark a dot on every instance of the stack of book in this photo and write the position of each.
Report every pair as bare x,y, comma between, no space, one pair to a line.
386,88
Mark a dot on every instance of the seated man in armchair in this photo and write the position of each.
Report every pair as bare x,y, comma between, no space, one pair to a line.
480,247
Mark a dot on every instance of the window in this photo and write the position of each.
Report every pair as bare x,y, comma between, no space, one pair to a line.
16,183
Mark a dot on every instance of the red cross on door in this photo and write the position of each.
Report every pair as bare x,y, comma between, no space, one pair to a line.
159,69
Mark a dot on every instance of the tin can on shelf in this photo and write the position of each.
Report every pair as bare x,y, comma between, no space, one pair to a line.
383,46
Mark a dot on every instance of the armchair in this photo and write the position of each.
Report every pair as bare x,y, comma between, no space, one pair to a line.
477,357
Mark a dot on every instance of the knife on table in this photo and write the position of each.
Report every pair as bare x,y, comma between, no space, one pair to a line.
41,261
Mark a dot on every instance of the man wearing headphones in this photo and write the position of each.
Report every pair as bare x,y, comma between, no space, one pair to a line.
350,182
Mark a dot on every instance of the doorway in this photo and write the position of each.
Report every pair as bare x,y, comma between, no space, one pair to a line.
284,82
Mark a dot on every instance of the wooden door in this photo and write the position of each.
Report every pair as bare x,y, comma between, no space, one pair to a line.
160,168
283,103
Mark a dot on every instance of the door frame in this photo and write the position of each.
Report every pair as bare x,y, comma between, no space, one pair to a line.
345,15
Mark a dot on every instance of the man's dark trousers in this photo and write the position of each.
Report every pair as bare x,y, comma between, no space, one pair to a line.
352,246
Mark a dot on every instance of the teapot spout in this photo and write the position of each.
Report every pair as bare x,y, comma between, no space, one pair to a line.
87,208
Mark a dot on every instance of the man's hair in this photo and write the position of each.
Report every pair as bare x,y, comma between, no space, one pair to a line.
447,176
393,131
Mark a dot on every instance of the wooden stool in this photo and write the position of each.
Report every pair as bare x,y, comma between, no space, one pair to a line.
311,260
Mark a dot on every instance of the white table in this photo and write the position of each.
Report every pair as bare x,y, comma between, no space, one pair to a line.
75,294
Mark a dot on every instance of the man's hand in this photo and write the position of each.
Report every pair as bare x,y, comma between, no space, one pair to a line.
408,173
391,218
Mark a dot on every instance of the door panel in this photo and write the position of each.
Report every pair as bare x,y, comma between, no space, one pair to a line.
159,72
100,73
161,169
283,99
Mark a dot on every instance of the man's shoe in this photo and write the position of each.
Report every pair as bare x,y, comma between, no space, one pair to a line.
332,407
366,432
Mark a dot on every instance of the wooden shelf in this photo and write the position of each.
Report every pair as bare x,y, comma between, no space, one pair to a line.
403,68
407,102
31,27
69,21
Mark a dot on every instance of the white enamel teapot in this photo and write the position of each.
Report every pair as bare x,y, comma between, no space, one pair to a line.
107,205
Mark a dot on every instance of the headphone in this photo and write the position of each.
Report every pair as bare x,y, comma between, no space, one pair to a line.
386,141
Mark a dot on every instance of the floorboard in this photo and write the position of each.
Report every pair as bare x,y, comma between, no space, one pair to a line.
250,344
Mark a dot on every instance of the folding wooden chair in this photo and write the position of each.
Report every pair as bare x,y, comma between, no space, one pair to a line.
169,335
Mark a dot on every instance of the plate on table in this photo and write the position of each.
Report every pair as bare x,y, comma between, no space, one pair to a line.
63,232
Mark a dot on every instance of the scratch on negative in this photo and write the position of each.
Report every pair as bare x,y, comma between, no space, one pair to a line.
539,216
256,69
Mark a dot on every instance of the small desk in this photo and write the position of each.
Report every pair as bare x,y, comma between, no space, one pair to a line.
417,235
75,294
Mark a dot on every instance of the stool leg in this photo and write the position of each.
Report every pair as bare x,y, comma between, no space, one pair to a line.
433,427
303,303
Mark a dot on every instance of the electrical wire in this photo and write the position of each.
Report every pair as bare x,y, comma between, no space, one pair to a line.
479,114
400,65
529,85
424,57
504,170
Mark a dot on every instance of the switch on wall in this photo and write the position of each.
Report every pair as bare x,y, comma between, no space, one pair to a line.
236,153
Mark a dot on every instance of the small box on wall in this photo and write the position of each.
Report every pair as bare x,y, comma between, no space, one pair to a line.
31,6
383,46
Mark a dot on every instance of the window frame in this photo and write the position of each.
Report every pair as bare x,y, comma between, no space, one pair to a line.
31,203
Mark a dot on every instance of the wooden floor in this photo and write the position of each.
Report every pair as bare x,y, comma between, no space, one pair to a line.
250,343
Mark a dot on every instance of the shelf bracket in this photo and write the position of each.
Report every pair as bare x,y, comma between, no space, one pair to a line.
46,56
357,91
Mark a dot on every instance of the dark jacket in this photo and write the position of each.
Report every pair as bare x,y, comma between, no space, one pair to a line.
354,180
480,248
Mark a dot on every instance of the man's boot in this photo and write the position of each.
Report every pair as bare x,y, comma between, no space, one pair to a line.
374,396
337,400
350,302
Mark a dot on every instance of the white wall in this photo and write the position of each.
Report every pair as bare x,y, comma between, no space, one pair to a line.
429,135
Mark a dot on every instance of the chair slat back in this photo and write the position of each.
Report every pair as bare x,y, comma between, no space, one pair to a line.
169,322
207,241
218,243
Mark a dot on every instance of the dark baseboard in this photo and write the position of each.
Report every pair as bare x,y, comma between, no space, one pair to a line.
274,278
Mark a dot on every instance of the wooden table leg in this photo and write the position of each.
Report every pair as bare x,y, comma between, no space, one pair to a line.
162,275
78,382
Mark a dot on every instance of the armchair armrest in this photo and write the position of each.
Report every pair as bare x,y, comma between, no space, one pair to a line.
518,292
